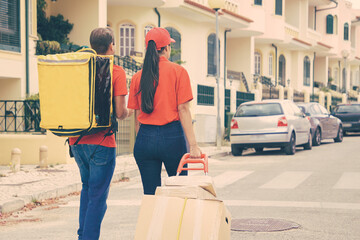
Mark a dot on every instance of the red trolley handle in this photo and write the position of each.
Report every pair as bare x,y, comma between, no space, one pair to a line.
186,159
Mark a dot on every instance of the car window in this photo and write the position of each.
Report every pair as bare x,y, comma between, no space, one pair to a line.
323,110
288,109
348,109
312,110
302,108
259,109
295,108
316,109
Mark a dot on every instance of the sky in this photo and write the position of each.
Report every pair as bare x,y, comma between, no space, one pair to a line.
356,3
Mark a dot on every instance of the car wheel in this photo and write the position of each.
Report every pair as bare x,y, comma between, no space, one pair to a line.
308,145
236,151
259,149
317,137
340,135
290,149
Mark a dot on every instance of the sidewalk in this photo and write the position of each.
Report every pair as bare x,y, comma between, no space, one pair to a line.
34,184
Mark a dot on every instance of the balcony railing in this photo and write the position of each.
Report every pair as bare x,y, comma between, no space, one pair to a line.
20,116
291,30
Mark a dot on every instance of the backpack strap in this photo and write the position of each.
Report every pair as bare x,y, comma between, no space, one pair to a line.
89,50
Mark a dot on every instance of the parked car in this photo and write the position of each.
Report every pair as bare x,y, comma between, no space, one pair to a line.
323,125
349,115
270,124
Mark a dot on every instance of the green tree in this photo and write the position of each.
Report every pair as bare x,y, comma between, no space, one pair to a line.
55,28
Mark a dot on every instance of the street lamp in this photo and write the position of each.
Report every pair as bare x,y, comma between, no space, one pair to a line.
345,55
217,5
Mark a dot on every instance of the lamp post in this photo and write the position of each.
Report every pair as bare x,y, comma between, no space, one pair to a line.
217,5
345,55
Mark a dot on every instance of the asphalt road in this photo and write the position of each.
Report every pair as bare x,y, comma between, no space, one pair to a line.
319,190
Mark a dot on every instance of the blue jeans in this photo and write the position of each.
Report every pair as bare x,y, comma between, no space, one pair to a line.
156,145
96,174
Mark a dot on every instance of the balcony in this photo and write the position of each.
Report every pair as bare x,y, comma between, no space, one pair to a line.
229,15
142,3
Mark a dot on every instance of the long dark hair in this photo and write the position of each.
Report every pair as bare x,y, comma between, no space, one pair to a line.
149,77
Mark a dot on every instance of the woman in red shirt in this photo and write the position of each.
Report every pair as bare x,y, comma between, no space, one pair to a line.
160,94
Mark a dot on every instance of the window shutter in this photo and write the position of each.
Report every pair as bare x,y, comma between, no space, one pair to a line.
258,2
329,24
211,54
346,31
10,25
278,7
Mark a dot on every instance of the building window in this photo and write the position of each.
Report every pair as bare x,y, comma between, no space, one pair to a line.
346,31
212,54
257,63
127,39
335,24
205,95
336,76
147,29
306,71
282,70
278,7
242,97
176,47
10,25
271,60
329,24
258,2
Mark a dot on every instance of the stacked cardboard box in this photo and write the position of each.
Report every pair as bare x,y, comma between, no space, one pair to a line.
184,208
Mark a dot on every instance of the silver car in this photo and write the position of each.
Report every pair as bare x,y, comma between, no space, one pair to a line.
271,124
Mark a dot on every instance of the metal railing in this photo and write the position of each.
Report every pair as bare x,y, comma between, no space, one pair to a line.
20,116
128,64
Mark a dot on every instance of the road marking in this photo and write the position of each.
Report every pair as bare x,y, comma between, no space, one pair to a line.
242,203
287,180
229,177
349,180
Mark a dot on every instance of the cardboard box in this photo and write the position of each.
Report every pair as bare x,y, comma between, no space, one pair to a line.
172,218
194,192
205,182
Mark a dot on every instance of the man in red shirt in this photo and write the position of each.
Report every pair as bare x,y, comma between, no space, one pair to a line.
96,155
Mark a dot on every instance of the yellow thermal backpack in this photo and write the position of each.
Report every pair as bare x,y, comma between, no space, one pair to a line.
75,91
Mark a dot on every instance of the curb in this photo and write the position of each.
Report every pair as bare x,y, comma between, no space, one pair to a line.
15,204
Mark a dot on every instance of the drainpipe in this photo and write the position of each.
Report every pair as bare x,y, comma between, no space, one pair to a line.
318,10
312,98
276,61
159,17
27,46
226,31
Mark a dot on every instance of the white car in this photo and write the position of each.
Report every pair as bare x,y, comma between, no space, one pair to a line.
271,124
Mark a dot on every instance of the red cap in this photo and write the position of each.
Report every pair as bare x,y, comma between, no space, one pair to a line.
160,36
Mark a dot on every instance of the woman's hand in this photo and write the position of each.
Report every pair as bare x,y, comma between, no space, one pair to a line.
195,151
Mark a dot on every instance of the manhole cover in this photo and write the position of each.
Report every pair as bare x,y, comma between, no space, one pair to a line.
262,225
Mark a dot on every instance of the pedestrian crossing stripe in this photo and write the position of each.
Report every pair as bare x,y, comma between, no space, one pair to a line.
241,203
286,180
348,180
229,177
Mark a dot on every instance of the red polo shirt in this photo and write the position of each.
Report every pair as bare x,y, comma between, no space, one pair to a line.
174,88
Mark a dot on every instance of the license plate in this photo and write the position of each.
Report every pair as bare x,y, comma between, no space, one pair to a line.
347,124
